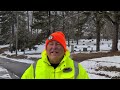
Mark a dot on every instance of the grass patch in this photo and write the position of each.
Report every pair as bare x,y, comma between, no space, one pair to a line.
105,68
3,49
84,56
17,57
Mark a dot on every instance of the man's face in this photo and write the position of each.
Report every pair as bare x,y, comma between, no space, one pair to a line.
55,52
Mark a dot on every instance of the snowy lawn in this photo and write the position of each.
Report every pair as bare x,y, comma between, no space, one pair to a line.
97,68
103,68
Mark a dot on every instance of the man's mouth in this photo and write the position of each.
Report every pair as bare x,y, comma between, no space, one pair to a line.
54,52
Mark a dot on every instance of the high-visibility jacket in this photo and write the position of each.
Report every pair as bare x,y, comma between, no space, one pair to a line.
65,70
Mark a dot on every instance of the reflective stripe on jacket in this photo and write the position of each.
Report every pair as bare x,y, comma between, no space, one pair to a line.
65,70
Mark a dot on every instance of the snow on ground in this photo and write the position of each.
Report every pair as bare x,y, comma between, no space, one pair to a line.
34,56
4,73
3,46
94,66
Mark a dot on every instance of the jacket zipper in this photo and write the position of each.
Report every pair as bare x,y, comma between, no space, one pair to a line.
54,73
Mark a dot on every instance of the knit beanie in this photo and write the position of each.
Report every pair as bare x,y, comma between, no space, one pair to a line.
57,36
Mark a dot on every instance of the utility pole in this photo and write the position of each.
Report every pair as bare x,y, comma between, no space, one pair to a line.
16,32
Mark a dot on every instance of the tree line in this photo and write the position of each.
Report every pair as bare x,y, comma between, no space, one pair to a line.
24,29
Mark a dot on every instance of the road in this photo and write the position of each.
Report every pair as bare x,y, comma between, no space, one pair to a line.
15,69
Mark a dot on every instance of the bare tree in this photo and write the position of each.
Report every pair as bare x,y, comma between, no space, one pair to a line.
98,17
113,16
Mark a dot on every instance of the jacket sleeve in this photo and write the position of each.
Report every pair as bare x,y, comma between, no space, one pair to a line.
82,73
29,73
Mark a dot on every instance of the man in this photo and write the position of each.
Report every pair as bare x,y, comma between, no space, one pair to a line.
55,62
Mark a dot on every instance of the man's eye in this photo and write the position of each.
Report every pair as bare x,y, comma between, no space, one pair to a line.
58,43
50,43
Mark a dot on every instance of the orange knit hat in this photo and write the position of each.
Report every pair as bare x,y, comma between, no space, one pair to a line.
57,36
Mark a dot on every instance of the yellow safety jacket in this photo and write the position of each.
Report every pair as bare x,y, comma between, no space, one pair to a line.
67,69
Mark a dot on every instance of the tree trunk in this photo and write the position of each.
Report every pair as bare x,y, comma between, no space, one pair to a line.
115,38
63,21
28,20
32,23
116,28
12,38
98,18
98,34
49,25
115,33
16,33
